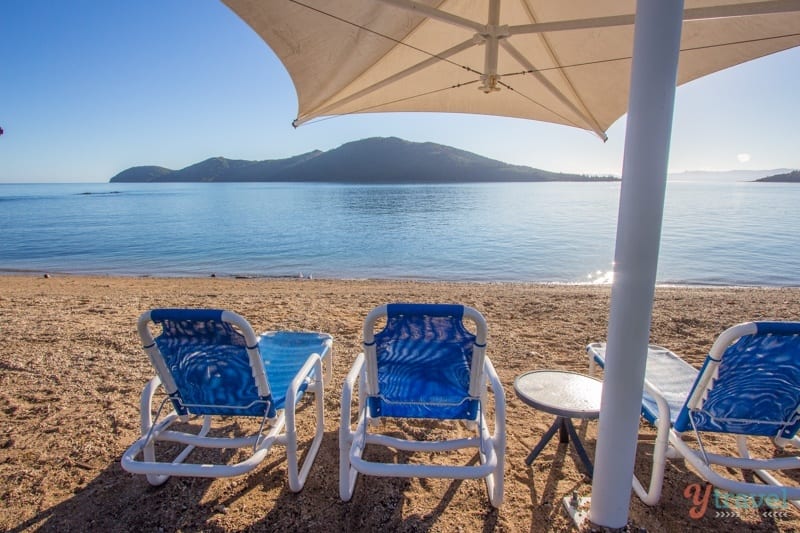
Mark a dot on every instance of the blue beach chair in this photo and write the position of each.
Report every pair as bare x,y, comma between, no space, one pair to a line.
424,364
748,386
211,364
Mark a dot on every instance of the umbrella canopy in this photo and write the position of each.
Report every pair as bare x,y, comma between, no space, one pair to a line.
562,62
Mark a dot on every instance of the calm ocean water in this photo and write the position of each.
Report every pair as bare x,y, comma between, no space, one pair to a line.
714,233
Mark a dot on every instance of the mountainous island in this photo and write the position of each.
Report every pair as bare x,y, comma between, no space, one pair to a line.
789,177
374,160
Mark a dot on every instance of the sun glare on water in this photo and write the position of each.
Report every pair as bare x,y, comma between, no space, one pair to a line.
600,277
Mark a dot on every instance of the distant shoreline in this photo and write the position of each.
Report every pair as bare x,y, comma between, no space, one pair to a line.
328,279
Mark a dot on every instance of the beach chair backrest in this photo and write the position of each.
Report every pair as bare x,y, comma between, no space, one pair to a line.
425,363
749,383
208,361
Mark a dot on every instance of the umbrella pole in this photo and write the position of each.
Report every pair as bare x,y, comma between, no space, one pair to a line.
644,175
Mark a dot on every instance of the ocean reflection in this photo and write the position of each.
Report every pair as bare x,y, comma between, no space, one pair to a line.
542,232
600,277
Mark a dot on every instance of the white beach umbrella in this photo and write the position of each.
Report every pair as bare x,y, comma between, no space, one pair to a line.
562,62
581,63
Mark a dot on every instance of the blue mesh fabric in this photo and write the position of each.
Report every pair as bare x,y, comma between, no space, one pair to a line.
757,391
284,353
208,361
670,374
424,366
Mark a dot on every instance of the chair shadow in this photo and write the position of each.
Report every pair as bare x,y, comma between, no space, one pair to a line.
115,500
700,514
546,496
118,501
378,503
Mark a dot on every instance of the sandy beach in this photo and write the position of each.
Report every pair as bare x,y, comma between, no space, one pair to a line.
72,369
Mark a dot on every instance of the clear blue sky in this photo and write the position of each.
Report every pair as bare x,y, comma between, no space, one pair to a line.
89,88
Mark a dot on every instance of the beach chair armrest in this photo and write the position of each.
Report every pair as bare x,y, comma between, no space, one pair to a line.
663,406
591,357
312,365
146,404
652,494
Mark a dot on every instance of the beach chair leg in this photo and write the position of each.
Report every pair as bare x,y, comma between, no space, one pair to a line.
350,443
298,475
347,473
766,477
149,453
148,425
652,494
494,481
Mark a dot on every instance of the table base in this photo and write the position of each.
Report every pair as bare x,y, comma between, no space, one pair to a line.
566,430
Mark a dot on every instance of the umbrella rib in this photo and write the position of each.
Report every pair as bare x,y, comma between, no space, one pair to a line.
744,41
625,58
699,13
393,78
390,102
586,113
438,14
537,73
628,58
531,100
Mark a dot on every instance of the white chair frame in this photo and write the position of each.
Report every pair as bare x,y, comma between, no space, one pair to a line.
282,428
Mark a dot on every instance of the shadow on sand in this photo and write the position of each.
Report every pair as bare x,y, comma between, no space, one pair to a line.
115,500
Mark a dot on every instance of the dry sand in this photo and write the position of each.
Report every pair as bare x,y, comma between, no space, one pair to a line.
71,371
